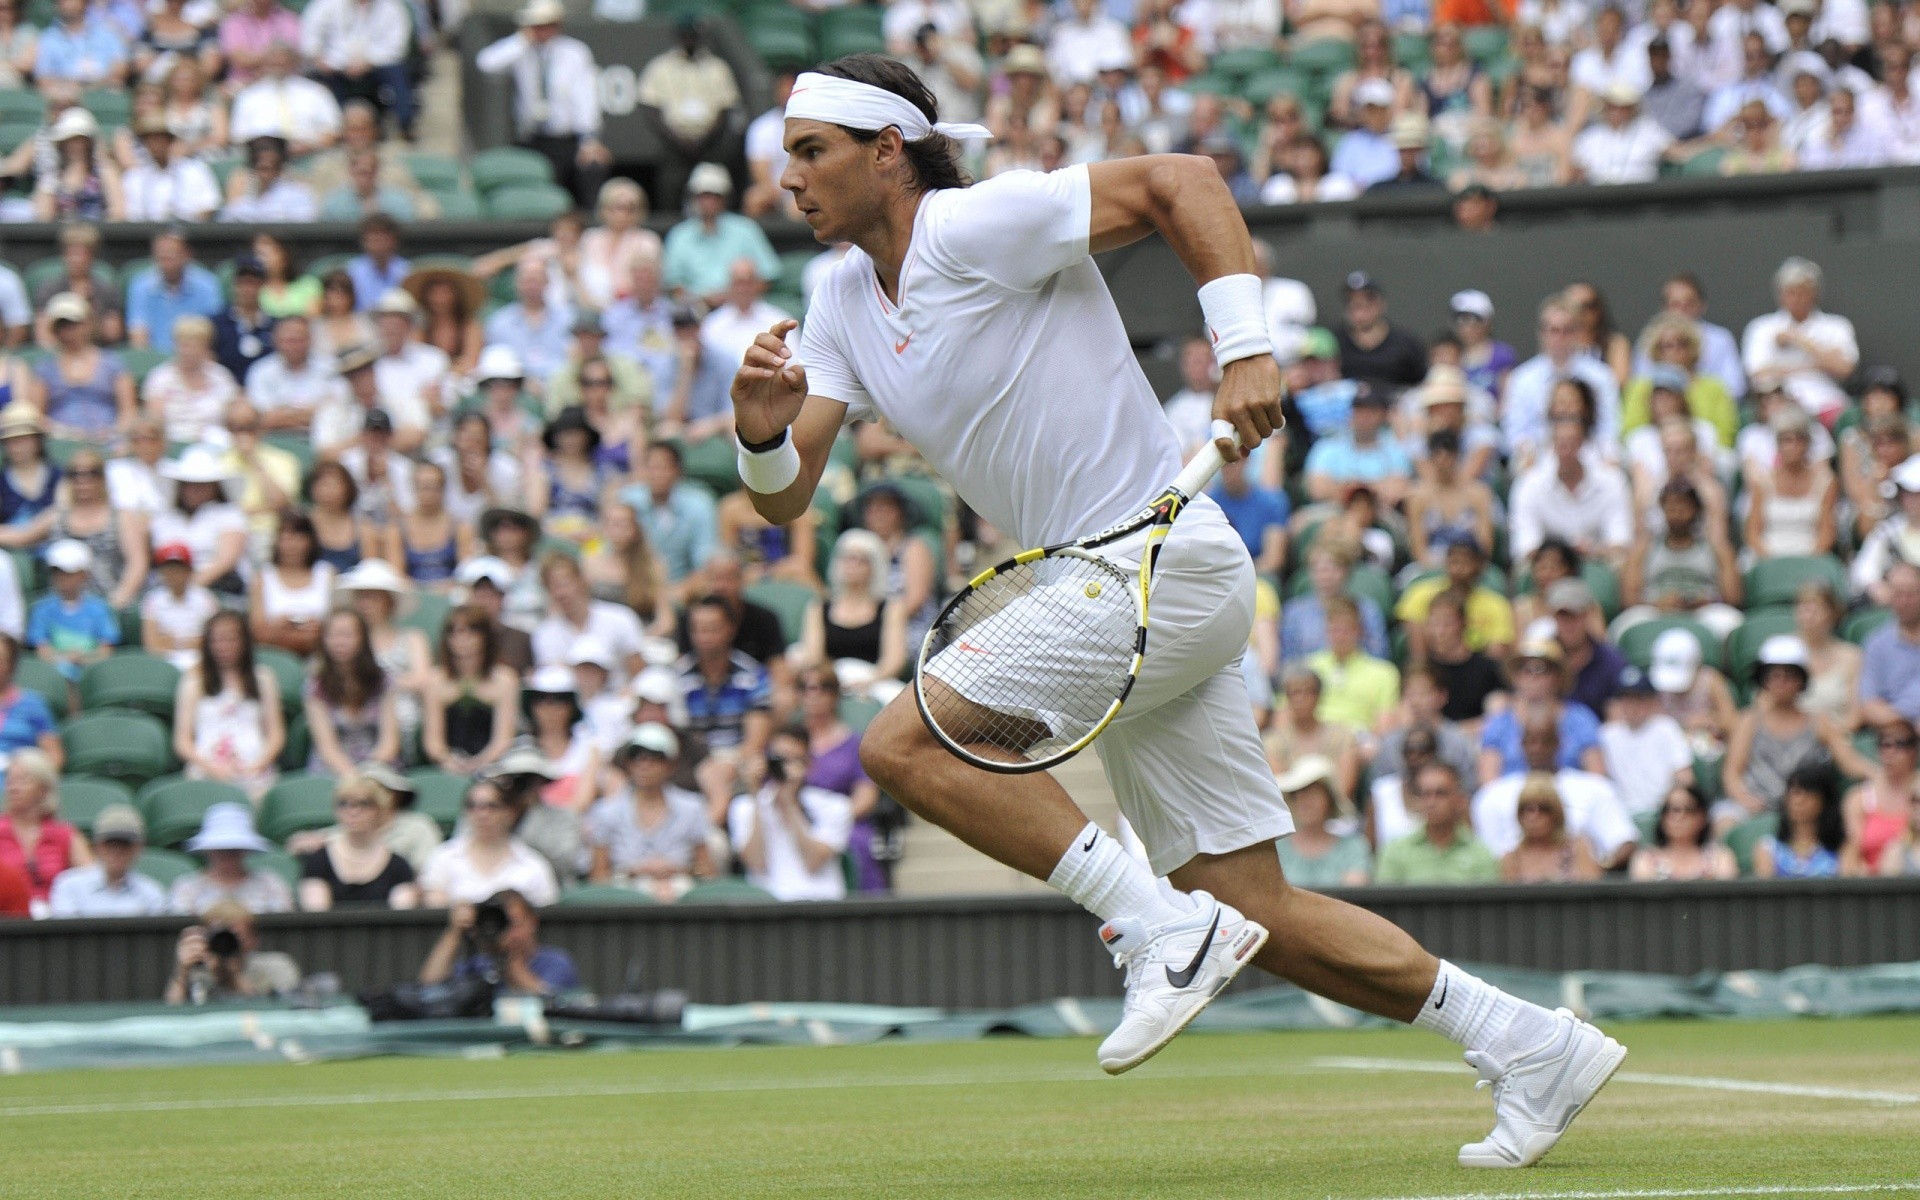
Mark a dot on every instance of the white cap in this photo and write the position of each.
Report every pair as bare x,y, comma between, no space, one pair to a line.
499,362
1782,650
487,567
541,12
656,685
70,555
552,681
591,650
1622,94
397,301
1374,91
1676,660
1906,476
655,737
709,179
1473,302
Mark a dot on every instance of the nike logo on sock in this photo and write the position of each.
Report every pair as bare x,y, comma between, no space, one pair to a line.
1088,847
1181,979
1446,985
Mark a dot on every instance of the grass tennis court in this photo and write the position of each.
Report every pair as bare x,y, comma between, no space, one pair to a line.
1811,1107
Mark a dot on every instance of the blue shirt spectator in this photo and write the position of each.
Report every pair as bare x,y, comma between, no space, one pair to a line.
1325,407
551,965
24,718
1343,460
1891,673
1366,157
86,55
371,280
1303,628
1253,512
681,529
82,624
1579,732
1595,683
154,304
644,333
698,258
542,341
720,713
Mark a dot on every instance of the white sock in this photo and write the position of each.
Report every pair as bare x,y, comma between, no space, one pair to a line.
1101,877
1478,1016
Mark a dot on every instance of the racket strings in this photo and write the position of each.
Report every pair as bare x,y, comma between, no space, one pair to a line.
1032,660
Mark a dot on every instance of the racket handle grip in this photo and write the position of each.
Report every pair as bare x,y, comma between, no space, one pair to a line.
1197,474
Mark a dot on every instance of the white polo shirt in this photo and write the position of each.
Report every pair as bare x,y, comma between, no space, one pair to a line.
829,820
1761,351
1004,362
1594,811
616,625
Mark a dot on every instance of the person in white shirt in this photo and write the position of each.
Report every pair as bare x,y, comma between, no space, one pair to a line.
337,422
358,49
263,193
169,186
483,857
285,104
1081,43
790,835
974,321
1574,495
1842,141
289,385
1893,107
134,482
1625,145
727,331
556,102
1594,808
767,158
1842,21
1190,410
1809,352
1727,32
1529,388
412,375
573,613
1611,61
110,887
1646,750
1561,22
904,18
1755,83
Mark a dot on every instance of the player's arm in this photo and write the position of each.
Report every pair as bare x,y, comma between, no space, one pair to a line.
785,435
1184,200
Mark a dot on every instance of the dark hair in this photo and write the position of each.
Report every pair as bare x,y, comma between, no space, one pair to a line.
468,616
1443,441
1604,325
1589,406
1564,549
471,416
797,732
292,270
336,279
1706,825
1438,764
1446,599
1446,337
210,673
935,160
10,648
331,468
1420,670
292,520
352,684
379,223
1428,741
671,451
1828,826
710,601
1689,279
1340,606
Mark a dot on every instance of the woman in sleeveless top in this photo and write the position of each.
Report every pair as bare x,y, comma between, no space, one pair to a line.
472,699
84,391
766,550
16,381
564,493
349,703
1833,665
340,536
227,725
1792,509
1454,89
354,867
1775,738
117,537
1541,147
1444,503
621,566
1878,812
912,577
1810,841
380,595
28,479
294,591
1683,846
1688,568
425,544
857,622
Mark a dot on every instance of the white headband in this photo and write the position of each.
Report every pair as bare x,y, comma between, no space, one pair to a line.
855,105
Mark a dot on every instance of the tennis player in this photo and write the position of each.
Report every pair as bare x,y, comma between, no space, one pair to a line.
973,320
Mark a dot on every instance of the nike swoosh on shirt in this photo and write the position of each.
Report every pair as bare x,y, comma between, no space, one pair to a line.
901,345
1181,979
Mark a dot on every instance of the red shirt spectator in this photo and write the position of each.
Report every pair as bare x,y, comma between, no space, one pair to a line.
33,841
1471,12
16,893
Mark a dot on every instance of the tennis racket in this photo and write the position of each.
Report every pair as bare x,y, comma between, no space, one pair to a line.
1031,661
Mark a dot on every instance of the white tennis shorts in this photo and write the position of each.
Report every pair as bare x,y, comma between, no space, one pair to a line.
1183,756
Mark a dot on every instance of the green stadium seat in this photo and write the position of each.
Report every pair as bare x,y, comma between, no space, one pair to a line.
1605,584
1412,51
528,202
508,166
42,272
1325,57
299,747
1704,165
22,104
458,204
850,40
295,805
131,679
175,806
38,675
1485,44
28,569
287,670
1648,823
1743,644
1742,838
772,14
1637,643
1281,81
428,616
725,891
1777,581
788,601
1244,63
1213,85
438,795
165,866
607,894
858,711
1707,777
929,502
82,798
297,444
129,746
432,172
277,862
110,106
781,46
326,264
140,363
855,18
1365,580
1861,625
712,463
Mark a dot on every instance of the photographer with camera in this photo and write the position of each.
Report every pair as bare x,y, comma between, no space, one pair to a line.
220,959
498,939
789,835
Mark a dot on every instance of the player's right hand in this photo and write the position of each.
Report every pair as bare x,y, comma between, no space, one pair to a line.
1248,398
769,387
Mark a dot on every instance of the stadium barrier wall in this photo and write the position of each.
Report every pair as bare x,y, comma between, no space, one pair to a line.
999,952
1863,227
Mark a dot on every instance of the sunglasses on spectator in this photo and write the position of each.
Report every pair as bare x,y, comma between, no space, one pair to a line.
1899,743
1682,810
1532,807
1536,668
347,802
596,382
1432,793
814,685
86,472
482,805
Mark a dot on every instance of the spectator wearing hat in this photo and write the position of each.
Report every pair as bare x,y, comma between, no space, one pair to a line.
1646,751
614,391
649,834
206,971
28,479
487,581
337,423
1453,456
450,301
1366,452
1592,664
1890,675
513,416
1366,153
564,489
1463,561
411,374
204,518
83,274
33,838
1775,737
1409,133
274,99
530,326
263,193
1808,351
173,615
557,768
243,333
358,49
679,517
1895,540
380,595
701,250
1371,347
689,96
1444,849
1625,145
1539,676
170,185
225,840
72,627
1316,856
173,287
1695,695
509,534
81,182
1591,804
1484,360
556,96
109,887
383,475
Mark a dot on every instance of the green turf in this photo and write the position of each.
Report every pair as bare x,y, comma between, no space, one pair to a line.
1221,1115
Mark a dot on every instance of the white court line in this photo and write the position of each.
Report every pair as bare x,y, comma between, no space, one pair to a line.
662,1088
1809,1189
1703,1082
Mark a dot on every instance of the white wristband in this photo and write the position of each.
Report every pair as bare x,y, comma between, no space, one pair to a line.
770,471
1236,317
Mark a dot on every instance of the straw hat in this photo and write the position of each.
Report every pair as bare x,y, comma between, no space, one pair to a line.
473,293
1312,769
21,420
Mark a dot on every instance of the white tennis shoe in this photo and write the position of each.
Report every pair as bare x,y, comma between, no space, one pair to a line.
1173,971
1539,1093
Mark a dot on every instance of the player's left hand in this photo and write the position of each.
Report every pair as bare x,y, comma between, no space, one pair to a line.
1248,398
